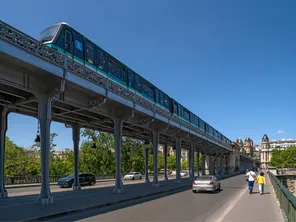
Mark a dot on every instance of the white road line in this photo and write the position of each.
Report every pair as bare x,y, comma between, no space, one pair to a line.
222,212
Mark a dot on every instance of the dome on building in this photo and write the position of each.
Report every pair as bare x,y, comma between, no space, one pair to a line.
265,139
248,139
239,141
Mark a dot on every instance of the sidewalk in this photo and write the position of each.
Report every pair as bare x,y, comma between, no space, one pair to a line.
254,207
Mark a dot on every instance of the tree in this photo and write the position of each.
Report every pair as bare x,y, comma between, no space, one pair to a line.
283,158
15,161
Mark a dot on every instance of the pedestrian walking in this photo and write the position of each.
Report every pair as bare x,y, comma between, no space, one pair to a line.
251,179
261,181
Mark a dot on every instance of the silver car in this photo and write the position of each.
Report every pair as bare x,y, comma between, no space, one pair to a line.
133,176
206,183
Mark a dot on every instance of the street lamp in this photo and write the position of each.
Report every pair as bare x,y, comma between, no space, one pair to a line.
37,139
94,146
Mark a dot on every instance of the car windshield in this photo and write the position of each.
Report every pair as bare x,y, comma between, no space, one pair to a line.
49,33
70,176
130,174
205,178
183,171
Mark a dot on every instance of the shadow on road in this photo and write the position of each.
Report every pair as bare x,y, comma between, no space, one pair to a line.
96,212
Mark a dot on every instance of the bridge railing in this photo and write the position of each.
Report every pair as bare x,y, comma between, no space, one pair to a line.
14,180
286,199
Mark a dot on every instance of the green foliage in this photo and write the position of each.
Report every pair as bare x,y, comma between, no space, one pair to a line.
283,158
99,160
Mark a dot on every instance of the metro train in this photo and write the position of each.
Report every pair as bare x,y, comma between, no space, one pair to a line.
65,39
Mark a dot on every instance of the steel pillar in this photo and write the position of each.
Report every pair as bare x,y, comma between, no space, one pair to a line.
146,156
76,138
178,159
192,161
155,141
44,116
189,159
118,142
210,164
203,164
3,129
197,163
222,165
165,161
217,165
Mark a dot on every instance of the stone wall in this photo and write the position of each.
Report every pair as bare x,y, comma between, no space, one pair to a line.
289,181
288,177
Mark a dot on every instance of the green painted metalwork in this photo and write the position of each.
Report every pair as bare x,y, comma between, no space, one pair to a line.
286,199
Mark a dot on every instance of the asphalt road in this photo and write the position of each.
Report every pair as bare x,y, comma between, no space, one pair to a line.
55,188
183,206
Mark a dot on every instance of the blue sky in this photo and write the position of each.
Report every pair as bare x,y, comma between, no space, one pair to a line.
232,63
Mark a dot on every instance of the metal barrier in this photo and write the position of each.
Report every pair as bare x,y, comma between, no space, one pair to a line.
14,180
286,199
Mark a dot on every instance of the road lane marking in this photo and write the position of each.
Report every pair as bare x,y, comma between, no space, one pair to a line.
222,212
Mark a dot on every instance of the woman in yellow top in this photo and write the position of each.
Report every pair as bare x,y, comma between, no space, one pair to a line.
261,181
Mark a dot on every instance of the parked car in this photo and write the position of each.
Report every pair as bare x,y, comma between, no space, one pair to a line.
183,173
133,176
206,183
84,179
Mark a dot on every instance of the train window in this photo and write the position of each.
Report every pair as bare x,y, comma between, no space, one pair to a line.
131,78
175,108
90,53
186,114
201,124
116,69
162,99
100,59
78,46
147,89
195,121
157,96
138,82
68,41
49,33
165,100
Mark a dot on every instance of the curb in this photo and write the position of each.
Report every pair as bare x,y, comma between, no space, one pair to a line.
93,207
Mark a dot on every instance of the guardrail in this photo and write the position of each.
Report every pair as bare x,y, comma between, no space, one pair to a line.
52,179
286,199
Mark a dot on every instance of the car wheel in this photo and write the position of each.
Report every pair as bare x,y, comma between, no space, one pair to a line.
219,188
92,183
140,178
194,191
133,178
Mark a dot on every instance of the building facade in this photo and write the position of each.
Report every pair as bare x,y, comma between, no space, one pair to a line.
265,151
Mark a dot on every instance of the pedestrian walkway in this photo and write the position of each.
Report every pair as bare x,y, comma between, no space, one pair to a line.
254,207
